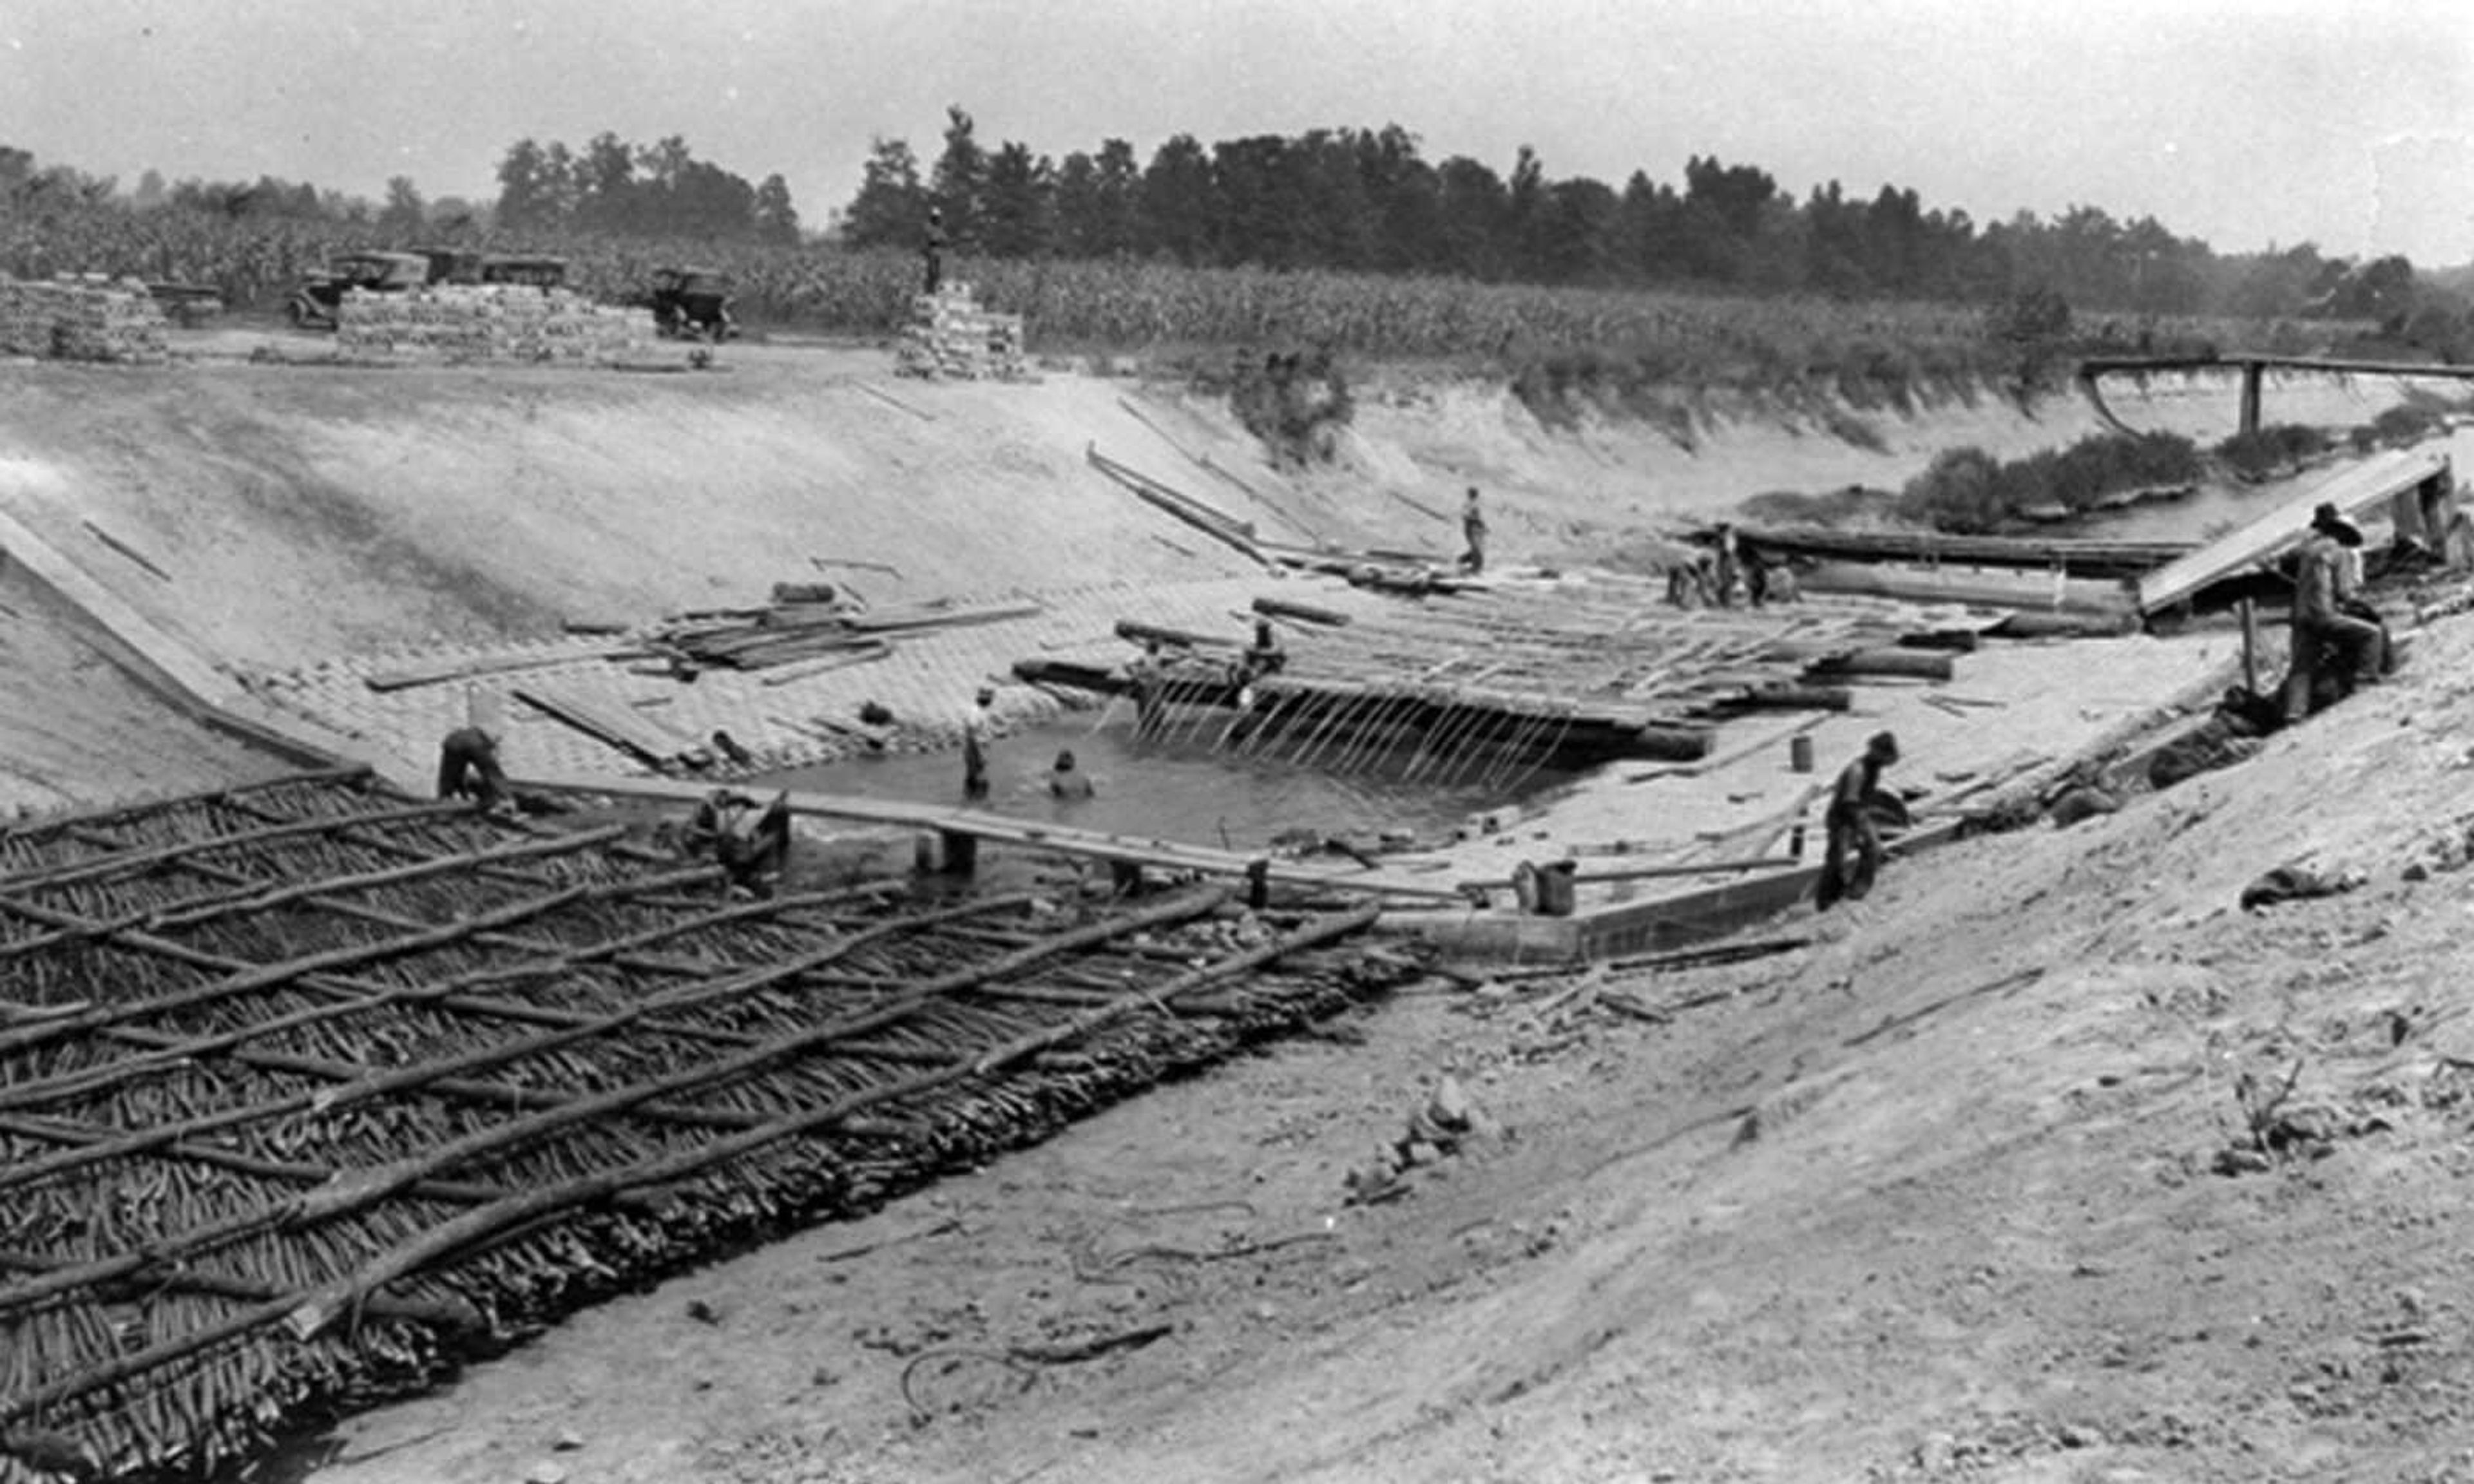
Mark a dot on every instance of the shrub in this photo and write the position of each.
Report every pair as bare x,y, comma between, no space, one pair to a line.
2269,450
1294,402
1967,491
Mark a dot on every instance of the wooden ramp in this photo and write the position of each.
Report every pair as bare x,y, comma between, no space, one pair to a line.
2366,484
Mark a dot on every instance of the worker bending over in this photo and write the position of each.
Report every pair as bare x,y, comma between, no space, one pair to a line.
1850,825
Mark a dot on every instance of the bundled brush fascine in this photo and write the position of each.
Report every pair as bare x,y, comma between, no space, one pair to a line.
489,323
87,318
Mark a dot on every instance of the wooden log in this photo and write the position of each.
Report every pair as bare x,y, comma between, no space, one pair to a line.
1981,587
1668,744
1306,613
1792,698
2027,624
1916,664
1136,632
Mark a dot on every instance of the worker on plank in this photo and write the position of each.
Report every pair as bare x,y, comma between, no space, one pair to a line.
1852,828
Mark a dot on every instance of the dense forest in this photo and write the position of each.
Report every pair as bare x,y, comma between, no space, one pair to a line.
1259,228
1367,201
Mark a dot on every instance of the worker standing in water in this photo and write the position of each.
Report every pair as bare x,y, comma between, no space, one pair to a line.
1066,781
1473,532
976,723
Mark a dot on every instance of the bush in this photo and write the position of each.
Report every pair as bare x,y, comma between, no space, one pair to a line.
2272,449
1294,402
1967,491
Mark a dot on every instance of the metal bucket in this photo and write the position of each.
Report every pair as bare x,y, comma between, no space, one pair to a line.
1799,752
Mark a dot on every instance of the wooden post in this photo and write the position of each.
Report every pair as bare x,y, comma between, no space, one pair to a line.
2250,645
2253,374
946,852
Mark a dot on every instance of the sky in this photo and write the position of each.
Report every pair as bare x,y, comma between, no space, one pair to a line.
2249,122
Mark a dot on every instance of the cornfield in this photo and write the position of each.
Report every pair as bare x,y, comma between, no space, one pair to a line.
1122,304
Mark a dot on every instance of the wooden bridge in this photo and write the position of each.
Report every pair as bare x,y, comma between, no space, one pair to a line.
2253,369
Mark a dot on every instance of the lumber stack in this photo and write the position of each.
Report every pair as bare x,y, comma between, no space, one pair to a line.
950,335
495,322
803,628
81,318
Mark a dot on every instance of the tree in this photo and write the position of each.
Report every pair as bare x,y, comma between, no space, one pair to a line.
890,205
777,221
1017,203
1177,202
1116,223
151,190
405,214
1076,201
1471,208
960,178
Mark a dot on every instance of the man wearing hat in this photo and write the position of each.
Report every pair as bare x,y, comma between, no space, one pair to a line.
1849,819
2321,625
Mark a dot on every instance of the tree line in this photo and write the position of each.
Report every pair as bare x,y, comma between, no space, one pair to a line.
1367,200
655,190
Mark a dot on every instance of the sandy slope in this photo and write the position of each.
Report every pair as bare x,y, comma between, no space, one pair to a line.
1936,1198
305,513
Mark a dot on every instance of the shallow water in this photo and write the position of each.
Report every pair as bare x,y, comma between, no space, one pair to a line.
1176,789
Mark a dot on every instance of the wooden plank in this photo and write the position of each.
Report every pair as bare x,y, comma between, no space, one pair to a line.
884,620
1979,586
2366,484
621,729
407,677
1059,839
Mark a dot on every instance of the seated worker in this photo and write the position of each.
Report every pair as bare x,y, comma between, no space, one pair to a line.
752,846
1067,781
467,768
2329,633
1263,657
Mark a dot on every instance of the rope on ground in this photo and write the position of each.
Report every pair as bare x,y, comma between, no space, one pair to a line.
1025,1360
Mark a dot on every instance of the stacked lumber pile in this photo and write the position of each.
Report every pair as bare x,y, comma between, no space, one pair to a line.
814,628
81,318
950,335
495,322
368,1085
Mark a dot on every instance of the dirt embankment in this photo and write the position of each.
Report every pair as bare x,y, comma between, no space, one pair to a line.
299,513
